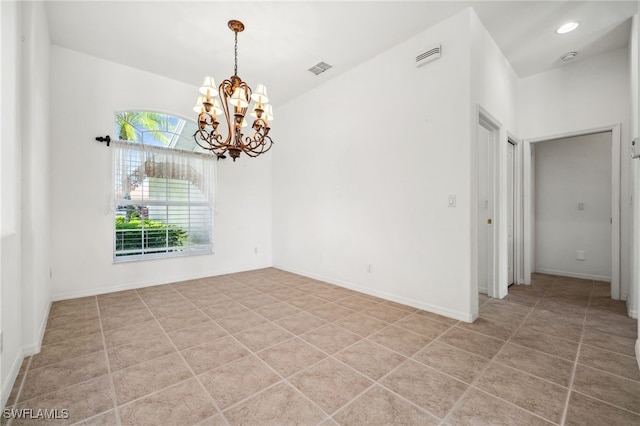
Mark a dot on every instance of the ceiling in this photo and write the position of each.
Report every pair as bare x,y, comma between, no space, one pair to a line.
282,40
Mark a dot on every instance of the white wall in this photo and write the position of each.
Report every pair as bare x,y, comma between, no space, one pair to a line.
2,108
363,169
10,223
24,219
494,82
634,66
580,96
85,93
568,172
494,89
36,227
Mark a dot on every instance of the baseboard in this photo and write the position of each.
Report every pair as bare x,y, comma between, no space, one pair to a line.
461,316
7,385
573,275
146,283
633,313
34,348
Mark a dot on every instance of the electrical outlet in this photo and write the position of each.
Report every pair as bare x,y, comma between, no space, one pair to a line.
369,268
255,250
580,255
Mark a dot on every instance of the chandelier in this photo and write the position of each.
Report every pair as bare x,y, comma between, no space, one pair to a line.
235,97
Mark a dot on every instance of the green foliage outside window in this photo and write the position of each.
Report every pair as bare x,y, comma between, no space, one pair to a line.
130,124
141,233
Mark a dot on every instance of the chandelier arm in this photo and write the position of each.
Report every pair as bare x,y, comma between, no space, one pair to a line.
214,141
198,136
207,137
258,147
222,91
268,146
256,152
253,143
251,153
247,89
258,137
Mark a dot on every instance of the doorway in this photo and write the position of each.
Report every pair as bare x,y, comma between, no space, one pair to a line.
487,140
581,258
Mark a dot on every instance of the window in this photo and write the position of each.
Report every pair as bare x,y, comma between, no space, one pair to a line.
156,129
163,196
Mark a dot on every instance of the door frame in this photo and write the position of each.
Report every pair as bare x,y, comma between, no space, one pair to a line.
529,202
519,195
493,126
518,276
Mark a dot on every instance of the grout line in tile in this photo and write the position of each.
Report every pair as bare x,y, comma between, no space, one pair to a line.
568,394
506,402
637,413
306,397
17,398
374,382
474,382
542,352
261,391
411,402
379,383
95,416
485,335
112,387
608,372
505,366
24,379
157,391
255,354
573,370
193,374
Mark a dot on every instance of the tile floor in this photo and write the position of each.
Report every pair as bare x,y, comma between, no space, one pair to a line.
269,347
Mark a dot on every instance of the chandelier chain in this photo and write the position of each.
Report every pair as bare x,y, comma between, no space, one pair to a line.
235,69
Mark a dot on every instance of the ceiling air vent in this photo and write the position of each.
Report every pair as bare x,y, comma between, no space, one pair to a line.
427,55
319,68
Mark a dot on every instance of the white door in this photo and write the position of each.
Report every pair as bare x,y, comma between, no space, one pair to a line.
511,179
486,257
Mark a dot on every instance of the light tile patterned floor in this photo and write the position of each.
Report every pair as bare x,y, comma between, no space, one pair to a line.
269,347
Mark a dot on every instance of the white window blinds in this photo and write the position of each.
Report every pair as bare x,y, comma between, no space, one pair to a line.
163,201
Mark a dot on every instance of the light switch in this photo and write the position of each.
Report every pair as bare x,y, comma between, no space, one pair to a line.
580,206
452,201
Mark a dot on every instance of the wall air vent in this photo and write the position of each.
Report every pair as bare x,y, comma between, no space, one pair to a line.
319,68
427,55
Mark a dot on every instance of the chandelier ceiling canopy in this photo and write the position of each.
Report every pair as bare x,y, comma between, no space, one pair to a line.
235,97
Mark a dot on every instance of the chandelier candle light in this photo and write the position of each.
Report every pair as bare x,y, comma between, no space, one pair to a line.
234,93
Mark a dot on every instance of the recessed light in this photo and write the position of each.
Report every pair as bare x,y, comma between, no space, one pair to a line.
568,56
568,27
